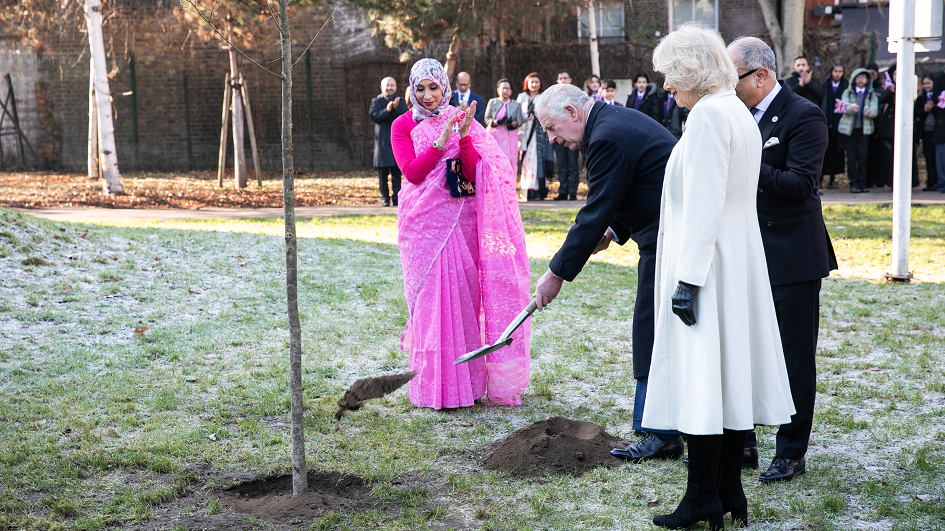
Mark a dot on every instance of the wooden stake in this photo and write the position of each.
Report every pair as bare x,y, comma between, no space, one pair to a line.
252,130
227,91
239,154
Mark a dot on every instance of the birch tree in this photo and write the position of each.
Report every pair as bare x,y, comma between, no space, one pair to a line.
93,126
592,30
787,34
111,178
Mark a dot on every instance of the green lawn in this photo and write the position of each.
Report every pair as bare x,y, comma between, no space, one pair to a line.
86,404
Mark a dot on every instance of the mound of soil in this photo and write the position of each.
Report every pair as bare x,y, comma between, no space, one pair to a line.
555,446
271,499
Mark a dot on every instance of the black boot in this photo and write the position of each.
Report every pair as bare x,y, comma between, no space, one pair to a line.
701,501
731,493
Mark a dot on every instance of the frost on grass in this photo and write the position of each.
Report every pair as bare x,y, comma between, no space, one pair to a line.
207,382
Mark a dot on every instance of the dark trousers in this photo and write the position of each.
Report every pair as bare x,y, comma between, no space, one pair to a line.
798,309
856,147
644,324
395,175
928,149
568,171
874,158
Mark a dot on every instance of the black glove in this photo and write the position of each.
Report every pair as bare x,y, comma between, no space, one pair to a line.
684,303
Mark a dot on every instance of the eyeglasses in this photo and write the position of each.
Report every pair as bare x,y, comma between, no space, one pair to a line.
748,73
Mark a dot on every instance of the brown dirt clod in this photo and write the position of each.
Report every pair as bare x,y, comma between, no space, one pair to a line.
555,446
367,388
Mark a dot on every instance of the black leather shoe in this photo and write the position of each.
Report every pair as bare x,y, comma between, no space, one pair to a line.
930,189
561,197
750,458
782,469
385,201
572,197
650,447
393,200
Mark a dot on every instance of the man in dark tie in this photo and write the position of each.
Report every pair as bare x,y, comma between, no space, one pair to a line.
463,97
626,160
567,160
797,247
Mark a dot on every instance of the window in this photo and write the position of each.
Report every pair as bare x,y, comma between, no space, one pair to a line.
701,11
609,22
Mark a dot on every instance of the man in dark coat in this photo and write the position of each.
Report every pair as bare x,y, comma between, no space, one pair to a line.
384,110
803,83
797,246
834,158
938,132
463,97
626,159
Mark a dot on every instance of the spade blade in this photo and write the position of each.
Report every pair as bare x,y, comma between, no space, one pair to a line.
476,354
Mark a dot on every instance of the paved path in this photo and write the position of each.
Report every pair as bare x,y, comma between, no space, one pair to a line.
830,197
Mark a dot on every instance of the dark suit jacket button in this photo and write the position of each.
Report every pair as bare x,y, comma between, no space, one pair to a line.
769,223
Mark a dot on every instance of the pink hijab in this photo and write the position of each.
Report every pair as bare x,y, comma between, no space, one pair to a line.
429,69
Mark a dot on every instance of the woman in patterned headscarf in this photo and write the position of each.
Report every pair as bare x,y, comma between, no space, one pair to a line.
466,274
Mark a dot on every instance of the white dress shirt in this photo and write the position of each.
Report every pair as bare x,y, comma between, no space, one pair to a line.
763,105
463,97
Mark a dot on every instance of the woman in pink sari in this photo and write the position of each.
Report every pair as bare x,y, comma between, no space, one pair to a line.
466,274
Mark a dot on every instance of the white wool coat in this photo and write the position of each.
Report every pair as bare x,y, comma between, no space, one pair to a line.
727,370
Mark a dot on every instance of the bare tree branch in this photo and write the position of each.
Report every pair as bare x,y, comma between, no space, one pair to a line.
193,7
272,17
319,31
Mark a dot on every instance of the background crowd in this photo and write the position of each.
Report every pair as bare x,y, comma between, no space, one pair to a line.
859,104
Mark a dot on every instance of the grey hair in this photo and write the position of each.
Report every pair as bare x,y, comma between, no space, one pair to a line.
553,100
693,58
753,53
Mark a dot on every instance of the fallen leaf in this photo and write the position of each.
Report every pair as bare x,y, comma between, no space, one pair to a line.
465,423
212,436
75,256
874,369
193,291
140,331
156,259
654,502
67,288
243,264
83,234
239,256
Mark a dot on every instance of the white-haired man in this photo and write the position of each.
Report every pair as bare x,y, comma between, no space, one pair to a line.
797,248
626,159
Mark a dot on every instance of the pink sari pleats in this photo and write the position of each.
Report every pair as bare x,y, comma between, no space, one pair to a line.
466,276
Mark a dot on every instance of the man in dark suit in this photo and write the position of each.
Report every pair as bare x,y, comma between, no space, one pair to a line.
569,173
626,159
797,247
803,83
938,132
463,97
385,108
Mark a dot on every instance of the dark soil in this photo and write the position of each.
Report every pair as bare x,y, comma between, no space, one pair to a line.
272,500
555,446
367,388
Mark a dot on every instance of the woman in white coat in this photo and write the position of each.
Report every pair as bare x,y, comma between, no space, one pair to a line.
718,368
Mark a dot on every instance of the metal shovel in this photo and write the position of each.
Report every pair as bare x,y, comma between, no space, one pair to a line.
504,340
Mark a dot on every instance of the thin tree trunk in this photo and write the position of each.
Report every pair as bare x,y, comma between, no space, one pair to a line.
452,54
792,15
592,29
106,127
299,477
93,126
239,155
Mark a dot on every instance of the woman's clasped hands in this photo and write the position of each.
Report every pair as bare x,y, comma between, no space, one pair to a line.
463,126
